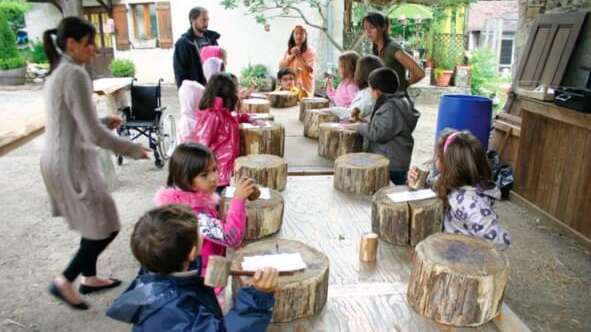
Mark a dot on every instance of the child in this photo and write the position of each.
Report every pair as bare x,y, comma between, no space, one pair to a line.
190,93
286,78
347,89
391,124
169,295
214,60
216,127
192,181
362,105
466,187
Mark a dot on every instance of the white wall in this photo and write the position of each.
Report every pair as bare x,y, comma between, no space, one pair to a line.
41,17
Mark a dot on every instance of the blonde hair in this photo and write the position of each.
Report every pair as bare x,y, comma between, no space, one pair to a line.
349,62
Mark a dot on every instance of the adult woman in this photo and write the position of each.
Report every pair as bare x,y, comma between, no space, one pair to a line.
69,162
300,57
377,28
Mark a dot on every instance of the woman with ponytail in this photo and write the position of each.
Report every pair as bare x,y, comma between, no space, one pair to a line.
69,164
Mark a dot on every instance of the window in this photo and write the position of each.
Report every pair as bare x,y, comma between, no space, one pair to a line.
145,26
506,52
150,25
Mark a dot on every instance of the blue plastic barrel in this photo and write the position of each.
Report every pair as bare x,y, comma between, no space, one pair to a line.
465,112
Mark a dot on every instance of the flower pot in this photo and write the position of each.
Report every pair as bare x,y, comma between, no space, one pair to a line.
13,76
444,78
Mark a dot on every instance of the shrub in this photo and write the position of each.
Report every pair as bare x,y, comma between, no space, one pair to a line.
10,58
483,67
37,53
122,68
14,11
12,63
254,76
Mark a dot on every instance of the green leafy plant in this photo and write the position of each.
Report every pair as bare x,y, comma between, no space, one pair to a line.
10,57
14,11
38,53
12,63
122,68
254,76
483,67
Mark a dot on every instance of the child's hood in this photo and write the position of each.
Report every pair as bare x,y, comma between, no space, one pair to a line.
195,200
400,103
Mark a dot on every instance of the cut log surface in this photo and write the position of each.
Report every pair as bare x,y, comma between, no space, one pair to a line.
335,140
301,295
256,105
457,280
263,216
313,118
268,138
361,173
312,103
404,223
267,170
283,99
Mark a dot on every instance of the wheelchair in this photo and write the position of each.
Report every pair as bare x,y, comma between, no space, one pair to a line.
147,117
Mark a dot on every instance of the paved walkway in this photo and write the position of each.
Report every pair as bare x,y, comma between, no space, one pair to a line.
21,114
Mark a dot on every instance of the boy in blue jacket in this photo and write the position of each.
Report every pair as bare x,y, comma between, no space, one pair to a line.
169,295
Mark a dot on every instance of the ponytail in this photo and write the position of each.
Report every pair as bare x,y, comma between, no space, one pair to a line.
54,40
50,48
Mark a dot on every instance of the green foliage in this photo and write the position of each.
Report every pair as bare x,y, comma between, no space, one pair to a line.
254,76
37,53
122,68
14,11
10,58
12,63
485,79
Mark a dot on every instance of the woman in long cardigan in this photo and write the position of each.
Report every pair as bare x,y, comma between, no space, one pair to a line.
69,164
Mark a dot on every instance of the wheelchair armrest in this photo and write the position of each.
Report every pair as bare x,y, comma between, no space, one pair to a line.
160,109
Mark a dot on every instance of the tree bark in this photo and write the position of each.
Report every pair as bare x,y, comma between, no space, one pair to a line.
283,99
335,140
361,173
312,103
256,105
267,170
268,139
313,118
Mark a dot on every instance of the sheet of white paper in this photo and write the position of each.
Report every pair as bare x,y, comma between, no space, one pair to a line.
247,125
265,192
417,195
282,262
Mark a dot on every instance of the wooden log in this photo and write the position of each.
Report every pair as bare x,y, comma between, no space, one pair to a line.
313,118
457,280
267,170
361,173
264,217
335,140
268,138
302,295
283,99
404,223
255,105
368,247
312,103
421,180
261,117
216,274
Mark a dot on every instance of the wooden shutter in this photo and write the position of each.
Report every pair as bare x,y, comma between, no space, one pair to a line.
121,31
164,26
551,41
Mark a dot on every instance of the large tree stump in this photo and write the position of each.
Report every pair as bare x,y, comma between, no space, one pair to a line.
335,140
313,118
312,103
283,99
457,280
301,295
263,216
268,138
361,173
255,105
267,170
404,223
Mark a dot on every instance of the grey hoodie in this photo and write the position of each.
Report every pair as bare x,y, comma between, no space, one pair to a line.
389,131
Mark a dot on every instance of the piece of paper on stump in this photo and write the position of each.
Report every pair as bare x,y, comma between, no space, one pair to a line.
416,195
282,262
265,192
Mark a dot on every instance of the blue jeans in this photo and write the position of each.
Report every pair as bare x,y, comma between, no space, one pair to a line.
398,177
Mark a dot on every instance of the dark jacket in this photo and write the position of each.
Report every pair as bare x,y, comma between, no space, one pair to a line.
186,60
181,302
389,131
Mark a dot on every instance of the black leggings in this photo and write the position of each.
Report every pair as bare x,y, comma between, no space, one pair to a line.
85,259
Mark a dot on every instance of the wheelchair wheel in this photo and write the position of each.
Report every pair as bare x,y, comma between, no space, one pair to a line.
166,136
119,160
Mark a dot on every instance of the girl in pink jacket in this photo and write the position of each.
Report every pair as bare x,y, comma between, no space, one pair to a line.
347,89
192,181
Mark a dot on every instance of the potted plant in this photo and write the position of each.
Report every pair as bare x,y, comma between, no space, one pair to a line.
13,67
444,72
122,68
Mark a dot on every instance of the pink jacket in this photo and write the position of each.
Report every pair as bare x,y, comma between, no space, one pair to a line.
190,94
217,234
217,129
344,94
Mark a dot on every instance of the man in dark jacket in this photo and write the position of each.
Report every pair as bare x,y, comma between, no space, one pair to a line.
187,62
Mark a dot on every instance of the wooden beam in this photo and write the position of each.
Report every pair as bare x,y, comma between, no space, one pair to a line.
107,6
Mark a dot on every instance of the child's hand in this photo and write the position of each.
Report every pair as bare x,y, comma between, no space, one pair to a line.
355,115
266,281
244,188
412,175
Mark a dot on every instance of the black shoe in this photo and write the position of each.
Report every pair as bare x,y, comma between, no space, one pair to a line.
83,289
55,291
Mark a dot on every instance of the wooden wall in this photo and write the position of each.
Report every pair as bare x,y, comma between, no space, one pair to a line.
554,165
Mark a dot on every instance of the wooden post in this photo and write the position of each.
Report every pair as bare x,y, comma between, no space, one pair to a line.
283,99
361,173
267,170
313,118
255,105
311,103
266,139
368,247
457,280
335,140
263,217
299,296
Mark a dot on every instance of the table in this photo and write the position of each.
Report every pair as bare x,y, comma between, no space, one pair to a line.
361,296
